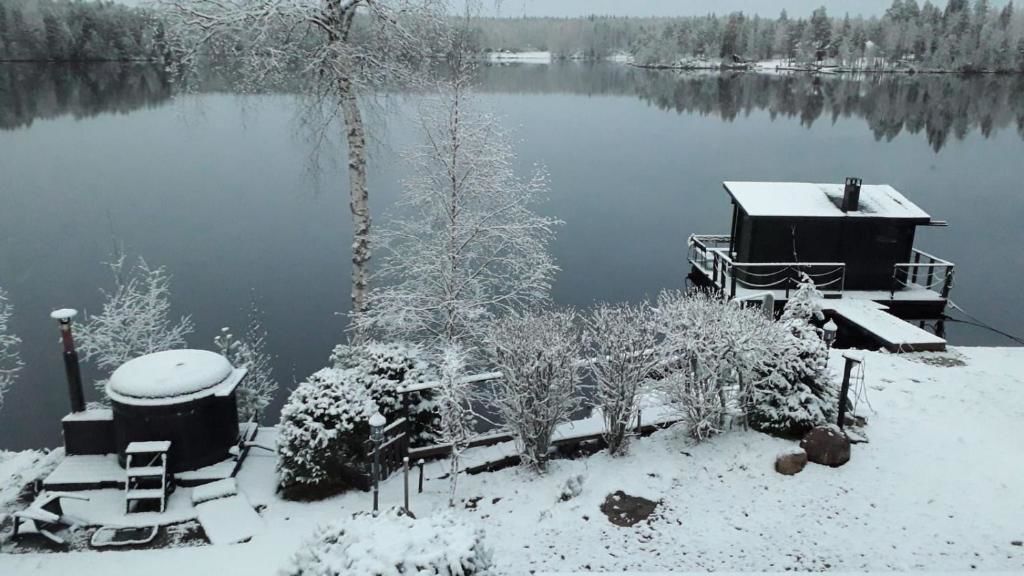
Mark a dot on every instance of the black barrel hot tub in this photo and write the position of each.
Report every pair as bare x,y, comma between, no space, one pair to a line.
184,396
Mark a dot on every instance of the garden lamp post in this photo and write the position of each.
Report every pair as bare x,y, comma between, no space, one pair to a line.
377,423
829,335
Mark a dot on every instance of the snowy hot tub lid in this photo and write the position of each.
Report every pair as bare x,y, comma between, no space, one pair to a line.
172,374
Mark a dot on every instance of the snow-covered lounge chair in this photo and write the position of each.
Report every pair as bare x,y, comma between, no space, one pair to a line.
47,514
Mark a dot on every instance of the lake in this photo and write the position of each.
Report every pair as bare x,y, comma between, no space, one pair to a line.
222,189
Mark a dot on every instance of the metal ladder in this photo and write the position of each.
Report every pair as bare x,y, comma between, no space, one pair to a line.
146,470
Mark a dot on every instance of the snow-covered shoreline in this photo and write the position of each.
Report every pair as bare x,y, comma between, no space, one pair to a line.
936,488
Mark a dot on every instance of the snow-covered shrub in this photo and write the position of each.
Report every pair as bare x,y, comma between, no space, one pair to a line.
393,544
382,370
538,354
712,351
250,351
136,319
622,343
10,362
795,391
323,435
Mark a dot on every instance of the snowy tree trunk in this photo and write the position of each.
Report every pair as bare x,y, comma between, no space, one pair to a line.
359,203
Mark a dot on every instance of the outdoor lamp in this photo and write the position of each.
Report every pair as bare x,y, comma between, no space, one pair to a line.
830,329
377,423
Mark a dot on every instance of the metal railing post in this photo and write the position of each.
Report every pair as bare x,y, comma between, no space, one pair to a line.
948,284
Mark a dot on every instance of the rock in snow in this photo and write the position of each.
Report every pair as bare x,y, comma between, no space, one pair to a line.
791,462
827,445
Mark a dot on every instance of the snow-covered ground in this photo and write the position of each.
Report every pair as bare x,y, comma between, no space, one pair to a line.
940,486
535,57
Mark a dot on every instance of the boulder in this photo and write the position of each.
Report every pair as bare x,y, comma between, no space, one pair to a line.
827,445
791,462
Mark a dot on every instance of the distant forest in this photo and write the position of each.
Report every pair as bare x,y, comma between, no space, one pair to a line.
60,30
960,36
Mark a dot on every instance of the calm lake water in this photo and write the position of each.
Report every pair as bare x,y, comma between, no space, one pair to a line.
220,188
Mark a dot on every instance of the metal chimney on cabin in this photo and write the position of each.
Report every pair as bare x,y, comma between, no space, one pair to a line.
71,368
851,195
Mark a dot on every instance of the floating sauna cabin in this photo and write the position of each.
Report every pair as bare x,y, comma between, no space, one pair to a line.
855,241
186,397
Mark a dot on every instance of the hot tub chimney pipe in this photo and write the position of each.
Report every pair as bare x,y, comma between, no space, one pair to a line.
71,369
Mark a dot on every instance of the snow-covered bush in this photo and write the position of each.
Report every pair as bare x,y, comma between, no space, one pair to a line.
322,437
383,369
136,319
538,354
250,351
10,362
393,544
622,343
795,391
323,434
713,350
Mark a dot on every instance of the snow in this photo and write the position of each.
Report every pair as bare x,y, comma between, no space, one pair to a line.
150,447
229,520
17,469
892,331
77,469
537,57
169,373
93,415
64,314
936,489
801,199
214,490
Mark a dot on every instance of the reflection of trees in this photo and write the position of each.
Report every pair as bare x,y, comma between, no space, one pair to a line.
936,106
32,91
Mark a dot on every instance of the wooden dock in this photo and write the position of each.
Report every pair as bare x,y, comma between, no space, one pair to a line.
872,318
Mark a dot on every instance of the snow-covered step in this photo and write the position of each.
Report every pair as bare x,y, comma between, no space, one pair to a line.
151,447
144,494
145,471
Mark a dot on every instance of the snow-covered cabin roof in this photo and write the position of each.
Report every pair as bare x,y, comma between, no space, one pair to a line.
806,200
168,374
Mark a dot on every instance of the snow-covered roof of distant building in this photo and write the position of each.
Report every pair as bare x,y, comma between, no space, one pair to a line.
172,373
806,200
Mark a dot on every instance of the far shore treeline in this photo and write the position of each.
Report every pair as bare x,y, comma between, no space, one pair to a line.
960,36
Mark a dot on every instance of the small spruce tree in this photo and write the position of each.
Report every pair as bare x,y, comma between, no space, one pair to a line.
795,391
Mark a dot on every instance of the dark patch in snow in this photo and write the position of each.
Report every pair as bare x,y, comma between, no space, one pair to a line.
625,510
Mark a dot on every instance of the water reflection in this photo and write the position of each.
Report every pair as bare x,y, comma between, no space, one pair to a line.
936,106
38,91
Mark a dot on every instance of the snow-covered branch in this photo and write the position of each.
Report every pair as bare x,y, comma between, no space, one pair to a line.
250,351
136,319
10,361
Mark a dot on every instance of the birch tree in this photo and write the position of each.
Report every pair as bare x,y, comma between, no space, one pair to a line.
341,49
454,406
468,246
623,345
135,320
10,361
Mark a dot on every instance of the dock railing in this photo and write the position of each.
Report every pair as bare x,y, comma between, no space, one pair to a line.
925,272
710,253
